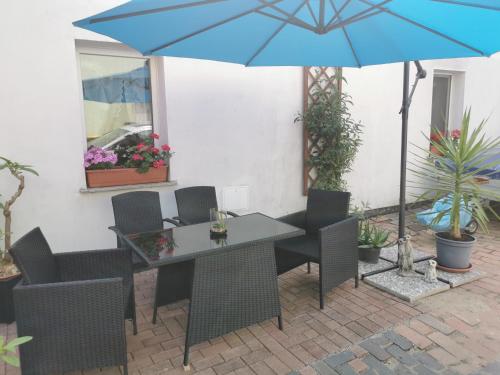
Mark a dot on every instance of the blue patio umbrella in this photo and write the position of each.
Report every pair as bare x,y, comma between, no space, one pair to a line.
130,87
342,33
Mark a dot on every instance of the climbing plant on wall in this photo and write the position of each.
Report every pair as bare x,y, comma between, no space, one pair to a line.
333,136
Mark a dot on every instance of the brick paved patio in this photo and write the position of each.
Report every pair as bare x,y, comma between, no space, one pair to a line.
459,329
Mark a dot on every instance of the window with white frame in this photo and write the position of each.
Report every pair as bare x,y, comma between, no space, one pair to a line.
122,99
441,93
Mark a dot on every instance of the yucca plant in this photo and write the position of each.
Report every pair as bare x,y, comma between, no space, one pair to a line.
451,169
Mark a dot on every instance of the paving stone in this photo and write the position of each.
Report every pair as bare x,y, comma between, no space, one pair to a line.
375,349
323,369
365,268
403,370
391,254
422,370
376,365
436,323
409,289
454,279
428,361
345,369
401,355
399,340
339,359
492,368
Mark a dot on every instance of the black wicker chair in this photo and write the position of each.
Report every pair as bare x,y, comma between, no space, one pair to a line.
140,211
73,305
331,240
194,204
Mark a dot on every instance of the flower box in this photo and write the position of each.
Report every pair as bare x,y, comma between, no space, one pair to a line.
125,176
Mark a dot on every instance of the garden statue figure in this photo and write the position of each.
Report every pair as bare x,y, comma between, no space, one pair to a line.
405,257
430,273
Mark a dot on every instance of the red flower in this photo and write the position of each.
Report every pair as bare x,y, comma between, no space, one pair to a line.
154,136
155,150
137,157
165,147
140,146
156,164
455,134
161,163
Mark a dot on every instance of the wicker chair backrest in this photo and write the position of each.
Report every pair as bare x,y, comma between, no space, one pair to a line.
325,208
34,259
194,203
137,211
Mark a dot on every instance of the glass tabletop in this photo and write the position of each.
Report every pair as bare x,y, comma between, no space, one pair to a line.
187,242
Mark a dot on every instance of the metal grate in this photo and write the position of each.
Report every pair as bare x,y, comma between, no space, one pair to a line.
314,79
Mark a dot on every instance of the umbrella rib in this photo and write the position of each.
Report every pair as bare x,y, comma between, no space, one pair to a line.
312,13
468,4
290,16
431,30
153,11
206,28
276,32
358,16
337,13
294,21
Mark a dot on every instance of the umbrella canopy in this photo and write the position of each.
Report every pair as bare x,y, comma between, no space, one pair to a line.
342,33
345,33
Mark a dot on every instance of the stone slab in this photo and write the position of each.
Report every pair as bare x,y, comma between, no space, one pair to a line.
391,254
410,289
454,279
367,268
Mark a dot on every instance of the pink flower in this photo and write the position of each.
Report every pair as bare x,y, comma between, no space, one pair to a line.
156,164
154,136
137,157
155,150
455,134
140,146
165,148
161,163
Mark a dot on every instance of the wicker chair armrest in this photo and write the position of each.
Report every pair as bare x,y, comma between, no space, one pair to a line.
182,221
69,317
342,236
96,264
297,219
172,221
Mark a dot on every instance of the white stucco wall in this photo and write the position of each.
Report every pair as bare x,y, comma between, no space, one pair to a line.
228,125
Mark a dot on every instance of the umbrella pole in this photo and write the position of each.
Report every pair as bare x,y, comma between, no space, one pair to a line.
404,145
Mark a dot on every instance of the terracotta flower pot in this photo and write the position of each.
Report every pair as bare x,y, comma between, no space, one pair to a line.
125,176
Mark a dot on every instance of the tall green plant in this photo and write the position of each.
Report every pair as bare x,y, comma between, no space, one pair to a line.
16,170
329,122
452,170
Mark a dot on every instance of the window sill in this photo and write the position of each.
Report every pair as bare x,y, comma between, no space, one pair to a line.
128,187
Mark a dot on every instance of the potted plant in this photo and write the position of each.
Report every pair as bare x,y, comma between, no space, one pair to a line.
9,274
371,239
138,164
8,350
449,171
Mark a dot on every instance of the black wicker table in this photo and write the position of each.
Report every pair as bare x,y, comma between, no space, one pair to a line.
231,281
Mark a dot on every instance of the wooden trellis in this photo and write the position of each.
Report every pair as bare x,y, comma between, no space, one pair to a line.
314,79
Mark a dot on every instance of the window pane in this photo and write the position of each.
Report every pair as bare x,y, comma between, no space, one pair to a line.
440,102
117,99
